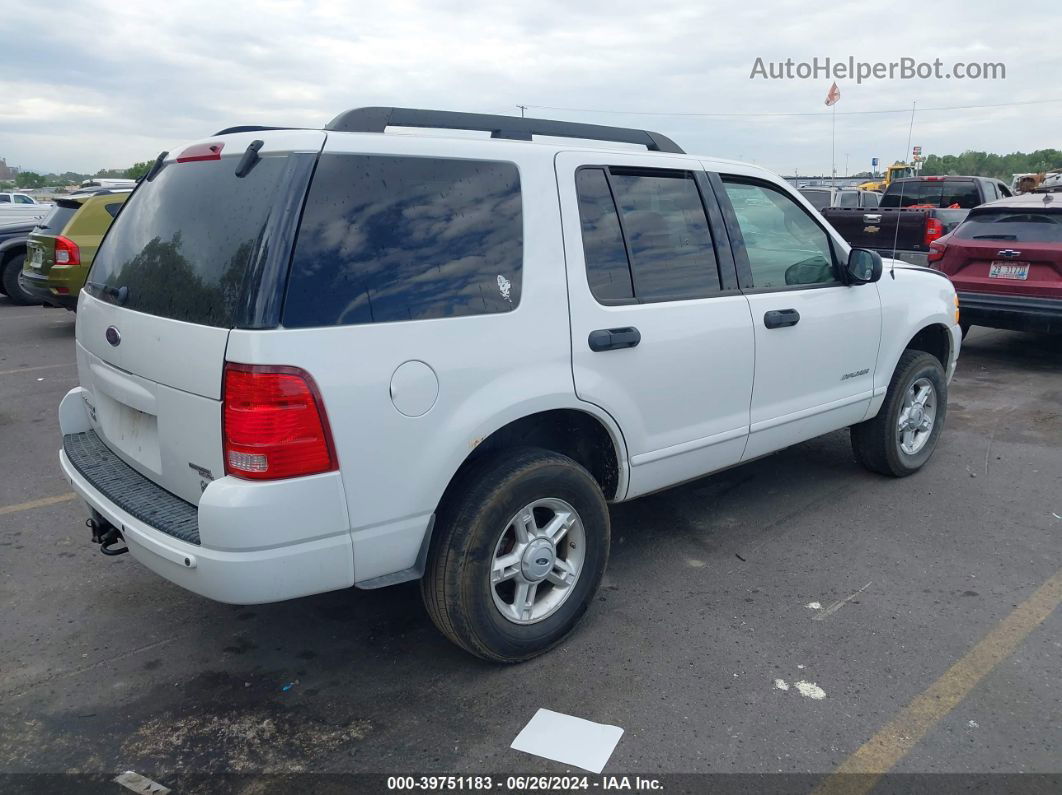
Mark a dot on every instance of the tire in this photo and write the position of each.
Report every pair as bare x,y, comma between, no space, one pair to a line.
965,327
15,293
878,443
477,528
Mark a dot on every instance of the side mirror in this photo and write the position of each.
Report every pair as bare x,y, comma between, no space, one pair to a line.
863,266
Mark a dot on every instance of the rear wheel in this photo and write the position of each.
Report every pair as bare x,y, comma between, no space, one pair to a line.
518,554
12,269
965,327
902,437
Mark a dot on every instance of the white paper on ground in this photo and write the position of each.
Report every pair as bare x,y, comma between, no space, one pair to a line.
572,741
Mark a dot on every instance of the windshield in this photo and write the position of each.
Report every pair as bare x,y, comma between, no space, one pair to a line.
184,241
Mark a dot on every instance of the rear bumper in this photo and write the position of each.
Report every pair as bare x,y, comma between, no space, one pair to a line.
259,542
1013,312
42,288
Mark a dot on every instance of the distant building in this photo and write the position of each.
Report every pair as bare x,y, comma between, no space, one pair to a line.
7,172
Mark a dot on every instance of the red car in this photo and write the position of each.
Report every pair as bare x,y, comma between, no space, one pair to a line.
1005,261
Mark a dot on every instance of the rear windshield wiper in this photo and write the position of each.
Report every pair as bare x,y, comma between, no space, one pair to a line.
119,294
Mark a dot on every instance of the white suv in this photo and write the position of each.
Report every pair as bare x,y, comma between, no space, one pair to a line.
312,359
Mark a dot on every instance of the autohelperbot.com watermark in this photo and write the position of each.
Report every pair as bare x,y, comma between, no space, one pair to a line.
900,69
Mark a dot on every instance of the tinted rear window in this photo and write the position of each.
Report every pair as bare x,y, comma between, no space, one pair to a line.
58,218
406,238
183,243
936,193
819,199
1025,226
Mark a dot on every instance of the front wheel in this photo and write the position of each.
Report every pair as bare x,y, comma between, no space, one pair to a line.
517,554
902,437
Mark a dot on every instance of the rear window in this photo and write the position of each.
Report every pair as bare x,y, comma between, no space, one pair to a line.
1025,226
184,242
935,193
58,218
848,198
387,238
819,199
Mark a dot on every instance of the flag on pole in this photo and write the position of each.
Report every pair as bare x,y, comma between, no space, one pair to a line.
833,95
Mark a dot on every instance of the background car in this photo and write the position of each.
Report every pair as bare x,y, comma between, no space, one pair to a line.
1005,260
13,237
60,251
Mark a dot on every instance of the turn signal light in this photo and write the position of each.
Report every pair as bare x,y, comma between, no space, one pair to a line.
274,423
67,254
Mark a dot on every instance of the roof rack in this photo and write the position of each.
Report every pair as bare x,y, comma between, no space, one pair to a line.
378,119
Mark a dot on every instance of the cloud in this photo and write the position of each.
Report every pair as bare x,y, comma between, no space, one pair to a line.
94,84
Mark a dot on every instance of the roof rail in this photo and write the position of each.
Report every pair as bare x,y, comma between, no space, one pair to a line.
244,128
378,119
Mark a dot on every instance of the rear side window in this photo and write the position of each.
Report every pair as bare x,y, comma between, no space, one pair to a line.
185,241
1016,226
662,227
607,268
5,199
386,238
112,208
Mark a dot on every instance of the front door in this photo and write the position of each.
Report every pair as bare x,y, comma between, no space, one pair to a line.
661,335
816,338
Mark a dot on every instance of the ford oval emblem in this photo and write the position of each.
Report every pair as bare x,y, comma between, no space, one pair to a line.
113,336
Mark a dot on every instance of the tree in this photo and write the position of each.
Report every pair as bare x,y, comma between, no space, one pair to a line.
29,179
984,164
137,170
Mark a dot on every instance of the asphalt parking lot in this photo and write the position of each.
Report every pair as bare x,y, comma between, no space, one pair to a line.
708,609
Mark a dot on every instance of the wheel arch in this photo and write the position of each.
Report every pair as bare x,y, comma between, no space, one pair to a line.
592,441
934,339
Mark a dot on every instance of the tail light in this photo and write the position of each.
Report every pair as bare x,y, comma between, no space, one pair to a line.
936,251
67,254
274,424
934,229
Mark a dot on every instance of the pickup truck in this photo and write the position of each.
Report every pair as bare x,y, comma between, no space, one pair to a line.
913,213
17,206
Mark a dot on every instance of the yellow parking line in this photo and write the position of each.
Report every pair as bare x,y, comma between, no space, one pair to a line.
38,367
895,740
41,503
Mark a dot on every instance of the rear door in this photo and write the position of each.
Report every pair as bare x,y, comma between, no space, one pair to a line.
816,339
661,336
195,252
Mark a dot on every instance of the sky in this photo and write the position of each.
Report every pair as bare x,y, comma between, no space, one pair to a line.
97,84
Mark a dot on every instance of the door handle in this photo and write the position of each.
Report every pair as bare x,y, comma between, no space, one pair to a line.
871,218
780,318
610,339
